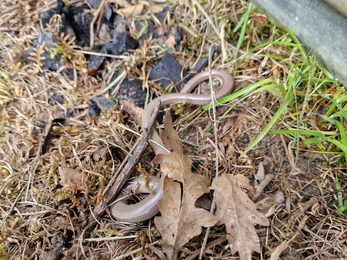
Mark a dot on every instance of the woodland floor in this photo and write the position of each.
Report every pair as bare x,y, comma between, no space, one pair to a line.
286,113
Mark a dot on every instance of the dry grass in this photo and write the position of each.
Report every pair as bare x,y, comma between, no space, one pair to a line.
40,219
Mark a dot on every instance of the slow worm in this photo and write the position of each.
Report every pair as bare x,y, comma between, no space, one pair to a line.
148,207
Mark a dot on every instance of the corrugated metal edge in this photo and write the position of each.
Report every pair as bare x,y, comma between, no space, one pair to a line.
318,26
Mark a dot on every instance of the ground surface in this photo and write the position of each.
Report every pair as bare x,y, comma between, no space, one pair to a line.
279,88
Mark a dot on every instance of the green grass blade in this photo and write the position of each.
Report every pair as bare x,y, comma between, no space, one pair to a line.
241,92
320,134
244,22
342,131
339,145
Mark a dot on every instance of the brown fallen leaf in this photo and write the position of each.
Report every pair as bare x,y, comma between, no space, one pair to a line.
239,214
132,11
180,220
72,178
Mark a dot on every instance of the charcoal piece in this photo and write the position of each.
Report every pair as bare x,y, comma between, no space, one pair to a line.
108,11
95,110
52,63
68,113
65,26
97,104
162,15
48,128
56,98
104,102
80,22
76,9
201,64
46,16
59,99
149,31
121,24
166,72
121,43
75,21
94,3
178,38
36,131
132,90
104,32
95,61
162,113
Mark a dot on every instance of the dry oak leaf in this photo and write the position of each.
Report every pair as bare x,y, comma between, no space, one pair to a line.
176,163
239,214
180,220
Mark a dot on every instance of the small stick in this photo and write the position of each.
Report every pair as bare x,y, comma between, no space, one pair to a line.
95,17
112,189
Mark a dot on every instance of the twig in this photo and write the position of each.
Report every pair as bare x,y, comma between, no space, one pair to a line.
213,205
290,157
112,189
96,14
